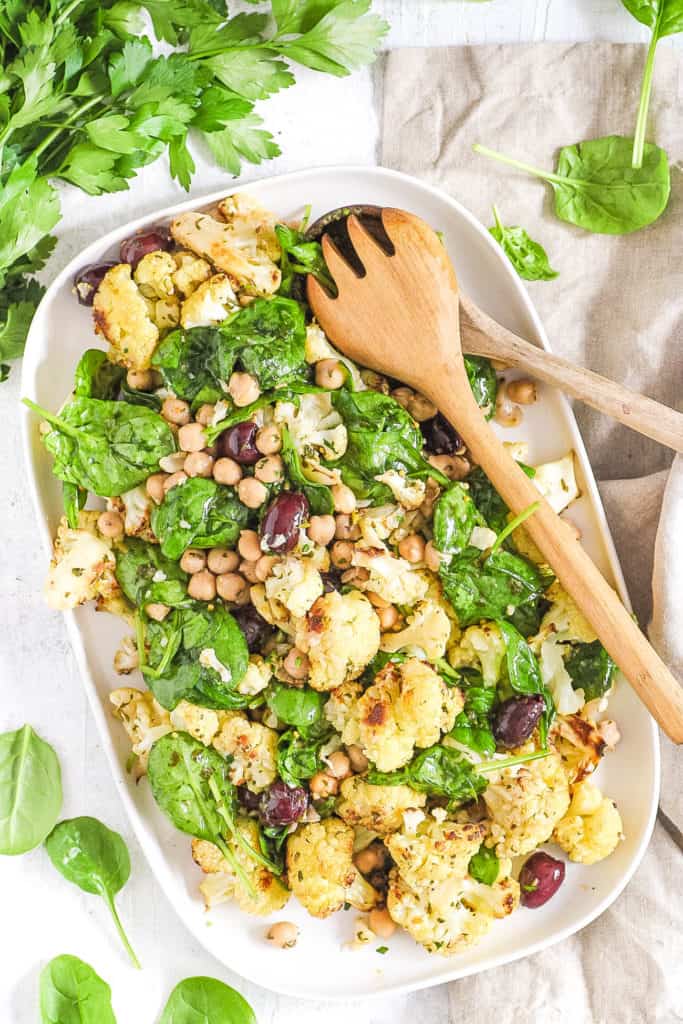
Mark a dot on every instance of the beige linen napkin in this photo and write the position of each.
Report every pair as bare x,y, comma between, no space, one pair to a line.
616,307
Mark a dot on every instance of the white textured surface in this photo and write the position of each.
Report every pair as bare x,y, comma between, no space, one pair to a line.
321,121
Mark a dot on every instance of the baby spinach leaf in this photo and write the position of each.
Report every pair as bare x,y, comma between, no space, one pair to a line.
198,513
298,757
300,257
74,499
591,669
523,674
484,383
473,726
206,1001
136,397
146,576
529,258
484,865
291,393
105,447
189,363
318,495
597,188
455,516
488,500
95,859
71,992
30,790
300,707
96,377
493,587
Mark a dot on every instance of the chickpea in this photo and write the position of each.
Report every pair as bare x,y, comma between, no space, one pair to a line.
381,923
323,785
388,617
344,499
339,765
507,414
369,859
193,561
173,480
249,545
420,408
141,380
110,524
198,464
251,492
264,567
176,411
232,587
191,437
432,557
248,570
376,600
345,529
296,664
321,529
202,586
205,414
227,471
522,391
329,374
269,469
158,612
172,463
283,934
341,554
220,560
455,467
412,548
359,762
243,389
403,396
268,440
154,485
356,575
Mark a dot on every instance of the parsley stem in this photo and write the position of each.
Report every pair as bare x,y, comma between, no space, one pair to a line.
67,11
51,136
645,91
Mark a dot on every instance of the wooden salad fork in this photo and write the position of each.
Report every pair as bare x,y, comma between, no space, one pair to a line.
402,319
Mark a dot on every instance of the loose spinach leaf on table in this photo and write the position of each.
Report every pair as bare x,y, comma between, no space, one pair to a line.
319,496
30,790
597,188
146,576
300,707
300,257
199,513
206,1001
484,383
591,669
71,992
529,258
94,858
484,865
105,447
97,377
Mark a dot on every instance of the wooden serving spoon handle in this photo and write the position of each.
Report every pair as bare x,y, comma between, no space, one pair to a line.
483,336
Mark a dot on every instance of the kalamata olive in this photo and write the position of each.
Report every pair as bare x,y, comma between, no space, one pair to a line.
133,249
250,801
440,437
331,580
282,521
282,804
88,280
239,443
539,879
515,719
255,628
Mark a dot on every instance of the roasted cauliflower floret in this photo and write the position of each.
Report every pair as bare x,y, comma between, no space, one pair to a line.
408,493
202,723
341,703
143,718
253,749
340,635
557,482
481,647
563,620
321,872
428,629
407,706
136,508
446,926
592,828
318,347
190,272
316,428
436,852
223,883
377,808
209,303
257,676
126,659
82,566
122,317
272,611
580,744
393,579
525,803
295,583
154,275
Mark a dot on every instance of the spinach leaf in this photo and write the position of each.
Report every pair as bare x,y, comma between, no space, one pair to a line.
523,672
30,790
665,18
189,362
96,377
298,757
198,513
74,499
473,726
300,257
146,576
484,865
298,707
488,500
291,393
591,669
106,447
381,659
191,785
493,587
484,383
529,258
135,397
598,189
318,495
71,992
206,1001
95,859
455,516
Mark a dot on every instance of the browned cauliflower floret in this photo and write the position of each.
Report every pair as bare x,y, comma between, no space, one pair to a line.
525,802
252,748
121,315
190,272
223,883
447,926
377,808
429,629
154,275
340,635
321,871
407,706
436,852
211,302
592,828
143,718
580,744
202,723
136,508
82,566
341,703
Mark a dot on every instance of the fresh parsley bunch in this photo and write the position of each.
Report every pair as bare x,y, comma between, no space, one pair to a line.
84,99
